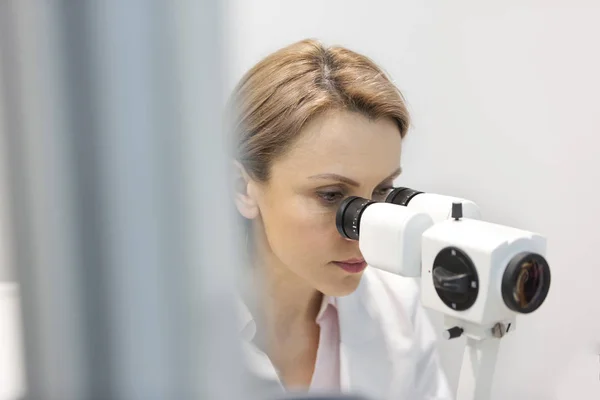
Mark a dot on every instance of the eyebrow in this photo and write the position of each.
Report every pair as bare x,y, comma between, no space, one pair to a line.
352,182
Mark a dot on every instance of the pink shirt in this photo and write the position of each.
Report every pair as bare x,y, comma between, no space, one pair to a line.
326,376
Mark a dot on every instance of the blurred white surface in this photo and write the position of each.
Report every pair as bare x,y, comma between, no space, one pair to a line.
12,382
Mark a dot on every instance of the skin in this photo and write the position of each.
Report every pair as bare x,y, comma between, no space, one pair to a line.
295,240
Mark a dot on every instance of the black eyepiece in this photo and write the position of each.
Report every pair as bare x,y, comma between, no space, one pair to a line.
347,219
401,196
526,282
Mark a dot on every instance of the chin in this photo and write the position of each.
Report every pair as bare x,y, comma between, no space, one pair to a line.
344,287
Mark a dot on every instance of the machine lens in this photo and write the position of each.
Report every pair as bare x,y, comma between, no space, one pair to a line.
526,282
347,219
401,196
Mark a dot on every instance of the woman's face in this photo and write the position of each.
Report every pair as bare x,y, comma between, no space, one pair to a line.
337,155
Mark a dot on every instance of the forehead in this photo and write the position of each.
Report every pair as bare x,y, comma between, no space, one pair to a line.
344,143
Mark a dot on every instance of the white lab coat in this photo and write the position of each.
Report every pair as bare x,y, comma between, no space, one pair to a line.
387,344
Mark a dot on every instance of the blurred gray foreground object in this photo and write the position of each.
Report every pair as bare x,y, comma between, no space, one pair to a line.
300,396
123,245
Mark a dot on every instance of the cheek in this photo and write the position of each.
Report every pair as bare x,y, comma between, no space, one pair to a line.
302,232
318,229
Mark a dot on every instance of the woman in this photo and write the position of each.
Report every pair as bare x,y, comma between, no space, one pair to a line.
314,125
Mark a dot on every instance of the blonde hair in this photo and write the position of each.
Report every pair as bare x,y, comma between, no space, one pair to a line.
279,95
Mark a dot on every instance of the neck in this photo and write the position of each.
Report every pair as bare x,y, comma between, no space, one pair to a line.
287,304
286,298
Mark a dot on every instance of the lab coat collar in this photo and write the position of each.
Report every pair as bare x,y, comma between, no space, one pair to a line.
263,375
245,323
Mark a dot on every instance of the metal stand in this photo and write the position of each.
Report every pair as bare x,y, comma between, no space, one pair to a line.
477,369
479,359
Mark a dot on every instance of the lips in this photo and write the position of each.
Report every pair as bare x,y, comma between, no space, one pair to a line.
353,266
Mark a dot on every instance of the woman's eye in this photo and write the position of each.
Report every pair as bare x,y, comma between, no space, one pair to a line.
330,197
382,193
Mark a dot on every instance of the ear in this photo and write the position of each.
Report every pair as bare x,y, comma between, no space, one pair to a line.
244,192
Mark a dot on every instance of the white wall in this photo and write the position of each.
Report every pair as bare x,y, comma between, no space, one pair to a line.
504,97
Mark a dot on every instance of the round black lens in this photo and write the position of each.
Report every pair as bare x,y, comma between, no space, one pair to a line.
401,196
347,219
526,282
